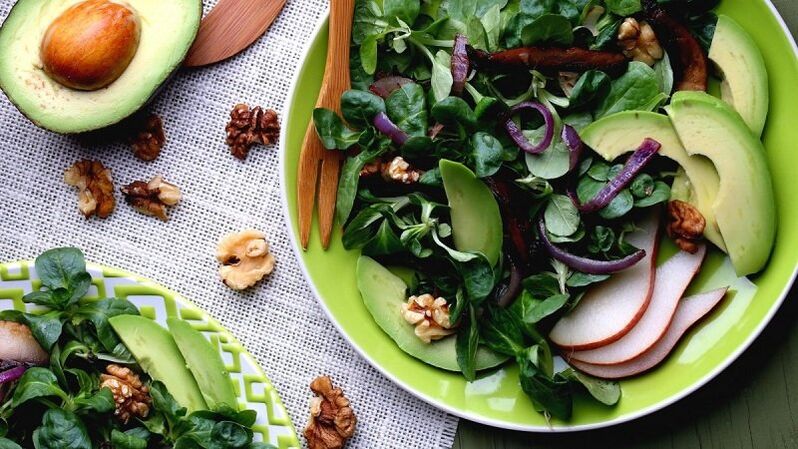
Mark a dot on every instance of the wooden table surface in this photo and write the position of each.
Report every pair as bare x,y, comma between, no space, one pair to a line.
752,405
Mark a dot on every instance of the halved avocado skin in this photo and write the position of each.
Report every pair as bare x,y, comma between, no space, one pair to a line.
745,207
742,67
383,294
20,8
620,133
205,364
157,353
476,220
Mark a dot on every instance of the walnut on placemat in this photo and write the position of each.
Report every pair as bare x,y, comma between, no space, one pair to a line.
131,396
152,198
95,187
149,140
245,259
332,421
249,126
685,225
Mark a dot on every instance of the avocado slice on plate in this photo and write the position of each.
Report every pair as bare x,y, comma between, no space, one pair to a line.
745,207
156,351
205,363
383,294
620,133
72,66
476,220
742,68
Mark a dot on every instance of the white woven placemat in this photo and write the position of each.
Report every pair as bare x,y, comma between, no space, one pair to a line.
279,321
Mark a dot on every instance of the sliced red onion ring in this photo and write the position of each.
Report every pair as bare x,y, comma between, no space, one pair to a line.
12,374
389,128
574,144
513,288
642,156
518,136
384,87
585,265
461,65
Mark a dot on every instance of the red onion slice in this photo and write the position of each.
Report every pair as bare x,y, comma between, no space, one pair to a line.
384,87
518,136
12,374
585,265
389,128
574,144
642,156
461,65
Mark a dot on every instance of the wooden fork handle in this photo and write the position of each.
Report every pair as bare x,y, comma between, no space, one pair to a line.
319,168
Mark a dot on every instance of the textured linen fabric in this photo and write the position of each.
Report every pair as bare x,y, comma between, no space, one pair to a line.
279,321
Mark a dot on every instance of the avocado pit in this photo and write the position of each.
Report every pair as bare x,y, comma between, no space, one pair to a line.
90,44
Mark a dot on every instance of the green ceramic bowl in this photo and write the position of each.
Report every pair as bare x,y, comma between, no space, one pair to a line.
496,398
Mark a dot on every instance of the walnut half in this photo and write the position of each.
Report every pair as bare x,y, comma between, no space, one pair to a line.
249,126
332,420
429,315
95,187
638,41
149,140
245,259
151,198
131,396
685,225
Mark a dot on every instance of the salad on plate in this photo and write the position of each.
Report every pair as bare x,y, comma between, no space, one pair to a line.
84,372
512,167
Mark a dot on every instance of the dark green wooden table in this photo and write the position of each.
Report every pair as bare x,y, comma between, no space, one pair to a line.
751,405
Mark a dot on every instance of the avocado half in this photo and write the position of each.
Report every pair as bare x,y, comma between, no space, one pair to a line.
168,29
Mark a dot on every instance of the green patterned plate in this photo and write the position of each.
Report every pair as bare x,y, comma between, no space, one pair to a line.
254,390
496,398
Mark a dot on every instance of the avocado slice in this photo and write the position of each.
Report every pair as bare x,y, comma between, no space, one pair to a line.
205,364
383,294
620,133
156,351
744,75
745,207
167,30
476,220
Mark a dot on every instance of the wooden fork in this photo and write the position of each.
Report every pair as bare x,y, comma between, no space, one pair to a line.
319,168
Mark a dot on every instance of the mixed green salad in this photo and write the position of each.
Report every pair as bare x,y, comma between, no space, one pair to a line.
87,373
503,156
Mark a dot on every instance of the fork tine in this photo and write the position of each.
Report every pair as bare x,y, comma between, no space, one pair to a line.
328,191
309,160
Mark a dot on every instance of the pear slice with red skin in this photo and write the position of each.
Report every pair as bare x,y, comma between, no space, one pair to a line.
689,312
670,282
611,309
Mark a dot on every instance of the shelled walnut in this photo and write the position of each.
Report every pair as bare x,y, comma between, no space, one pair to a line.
245,259
685,225
396,170
148,142
332,420
429,315
95,187
250,126
638,41
131,396
152,198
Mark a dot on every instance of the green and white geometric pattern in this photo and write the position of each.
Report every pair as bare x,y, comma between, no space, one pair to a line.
255,391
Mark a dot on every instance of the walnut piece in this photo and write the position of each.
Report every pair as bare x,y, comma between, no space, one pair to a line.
250,126
245,259
148,142
332,421
95,187
430,315
638,41
152,198
131,396
396,170
685,225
